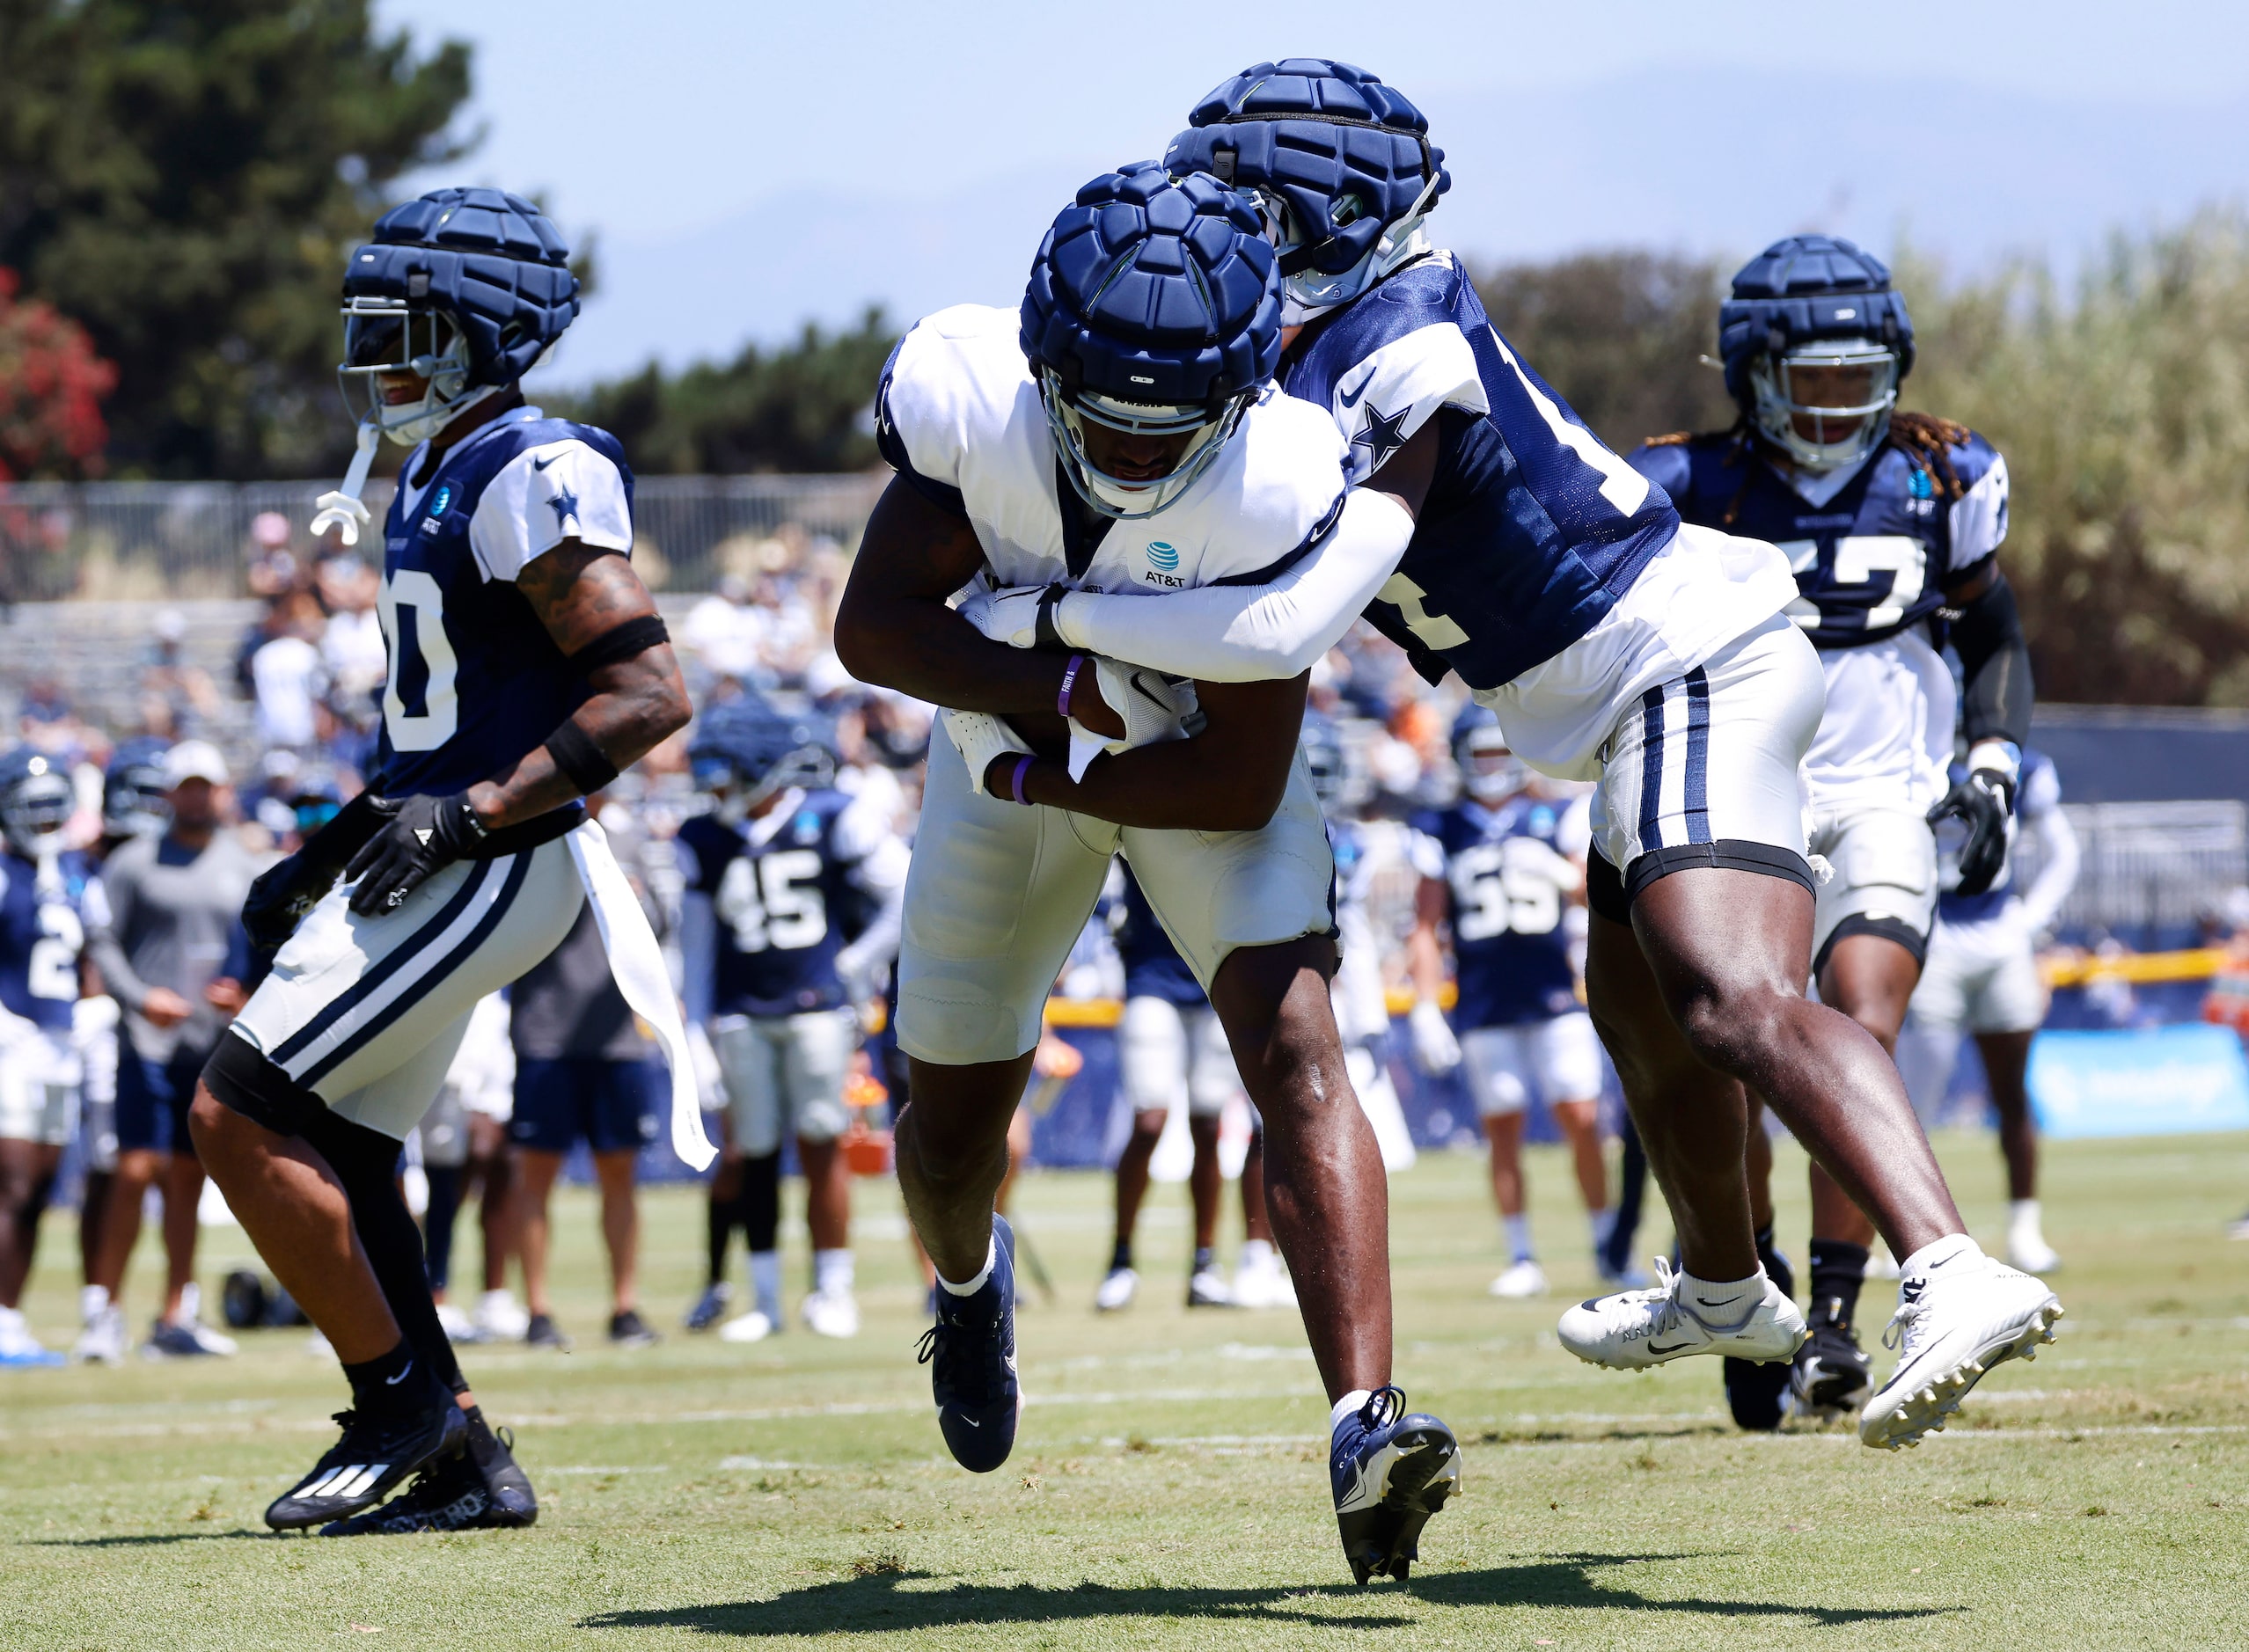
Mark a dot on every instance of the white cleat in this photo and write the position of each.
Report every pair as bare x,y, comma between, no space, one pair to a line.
1117,1290
1635,1329
2030,1253
1955,1321
753,1327
1262,1285
102,1342
458,1327
1208,1289
1522,1279
501,1317
830,1313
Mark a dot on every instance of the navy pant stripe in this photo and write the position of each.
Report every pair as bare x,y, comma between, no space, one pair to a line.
1699,757
1652,769
400,957
391,1012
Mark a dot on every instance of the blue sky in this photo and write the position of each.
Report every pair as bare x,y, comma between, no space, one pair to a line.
751,166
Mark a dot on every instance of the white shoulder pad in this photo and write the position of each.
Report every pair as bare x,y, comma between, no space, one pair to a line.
2041,791
955,380
860,827
1425,854
1391,395
1979,518
1288,476
561,490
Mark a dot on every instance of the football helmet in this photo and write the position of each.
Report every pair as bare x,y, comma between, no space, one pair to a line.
1152,310
1340,166
1815,342
36,800
744,751
1490,773
133,800
1321,743
464,288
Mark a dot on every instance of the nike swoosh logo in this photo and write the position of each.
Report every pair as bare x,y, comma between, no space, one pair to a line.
1141,689
1728,1302
1659,1347
971,1422
540,464
392,1382
1350,398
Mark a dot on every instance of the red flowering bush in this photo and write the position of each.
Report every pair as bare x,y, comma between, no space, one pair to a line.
51,386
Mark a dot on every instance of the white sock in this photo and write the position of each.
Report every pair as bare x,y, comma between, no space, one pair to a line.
1937,1254
990,1256
1519,1239
1604,1224
1723,1304
832,1272
1256,1256
2022,1216
1346,1407
92,1301
765,1282
11,1320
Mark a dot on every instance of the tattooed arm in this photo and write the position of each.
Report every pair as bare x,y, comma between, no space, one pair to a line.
580,594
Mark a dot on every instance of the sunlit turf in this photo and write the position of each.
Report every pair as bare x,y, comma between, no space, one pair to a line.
1168,1488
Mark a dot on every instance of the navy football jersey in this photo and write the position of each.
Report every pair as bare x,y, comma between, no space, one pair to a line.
1153,966
41,933
1505,871
1532,530
475,680
783,891
1871,560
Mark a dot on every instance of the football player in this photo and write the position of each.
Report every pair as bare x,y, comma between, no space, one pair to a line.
1890,522
1121,431
44,892
527,666
1616,645
1499,870
792,891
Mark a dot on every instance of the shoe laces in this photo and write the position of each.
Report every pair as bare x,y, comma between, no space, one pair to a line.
1899,1333
1384,1407
952,1364
1662,1297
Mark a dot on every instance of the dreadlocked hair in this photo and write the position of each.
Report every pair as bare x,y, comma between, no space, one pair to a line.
1737,436
1924,438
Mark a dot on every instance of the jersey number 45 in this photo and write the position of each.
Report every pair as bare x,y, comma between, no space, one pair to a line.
773,902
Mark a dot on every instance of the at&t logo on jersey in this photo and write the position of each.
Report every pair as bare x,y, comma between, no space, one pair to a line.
1163,562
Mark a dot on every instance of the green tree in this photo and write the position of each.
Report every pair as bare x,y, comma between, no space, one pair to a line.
186,178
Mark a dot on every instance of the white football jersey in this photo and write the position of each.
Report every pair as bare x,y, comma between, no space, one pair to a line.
960,407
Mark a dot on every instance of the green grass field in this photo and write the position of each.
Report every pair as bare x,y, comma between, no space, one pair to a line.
1168,1488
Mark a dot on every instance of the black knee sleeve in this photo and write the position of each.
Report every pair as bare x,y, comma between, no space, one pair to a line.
761,1201
1891,929
437,1221
366,1162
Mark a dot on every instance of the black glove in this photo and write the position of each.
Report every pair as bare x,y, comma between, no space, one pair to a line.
418,835
290,889
1981,803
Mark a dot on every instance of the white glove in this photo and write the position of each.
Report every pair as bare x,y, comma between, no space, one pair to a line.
1009,615
979,736
1434,1047
1154,708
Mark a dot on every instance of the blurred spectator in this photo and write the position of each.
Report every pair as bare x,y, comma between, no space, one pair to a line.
727,632
351,647
273,568
288,673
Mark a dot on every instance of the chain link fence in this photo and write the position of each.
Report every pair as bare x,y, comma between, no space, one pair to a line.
2149,873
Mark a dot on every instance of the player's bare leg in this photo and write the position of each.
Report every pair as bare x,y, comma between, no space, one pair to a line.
2006,1065
183,1194
620,1225
951,1145
1579,1122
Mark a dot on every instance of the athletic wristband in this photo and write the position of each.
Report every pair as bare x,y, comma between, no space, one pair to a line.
1015,781
1043,634
1069,682
629,640
577,756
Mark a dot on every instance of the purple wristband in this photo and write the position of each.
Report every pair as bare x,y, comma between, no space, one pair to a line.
1015,781
1069,682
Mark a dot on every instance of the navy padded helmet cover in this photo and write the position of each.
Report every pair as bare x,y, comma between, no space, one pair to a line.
488,258
1311,130
1150,290
1805,288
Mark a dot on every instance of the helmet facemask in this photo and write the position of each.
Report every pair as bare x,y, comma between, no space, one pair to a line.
1858,382
36,810
1490,773
391,338
1308,289
1132,498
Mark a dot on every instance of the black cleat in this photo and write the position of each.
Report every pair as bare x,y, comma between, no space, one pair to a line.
482,1487
544,1333
1832,1376
1390,1473
628,1329
711,1306
970,1352
1755,1392
368,1464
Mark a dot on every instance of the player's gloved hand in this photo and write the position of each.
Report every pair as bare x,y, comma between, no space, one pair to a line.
419,836
1434,1047
1983,803
980,737
1021,616
1154,707
287,891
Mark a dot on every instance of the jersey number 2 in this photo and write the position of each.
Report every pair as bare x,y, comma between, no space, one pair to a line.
419,711
765,903
53,970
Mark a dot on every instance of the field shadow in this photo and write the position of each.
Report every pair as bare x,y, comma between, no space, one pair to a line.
145,1540
877,1603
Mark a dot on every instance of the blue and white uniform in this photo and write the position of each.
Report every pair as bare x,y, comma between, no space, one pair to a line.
1170,1047
45,911
1507,871
783,917
1872,546
366,1012
999,892
1361,1003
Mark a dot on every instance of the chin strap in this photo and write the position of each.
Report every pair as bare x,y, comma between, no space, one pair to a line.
342,509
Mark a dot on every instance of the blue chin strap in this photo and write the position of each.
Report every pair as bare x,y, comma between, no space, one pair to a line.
1134,498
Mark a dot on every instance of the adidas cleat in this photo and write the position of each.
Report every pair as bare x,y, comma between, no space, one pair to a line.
481,1487
1957,1318
1832,1376
375,1454
1390,1472
970,1353
1757,1393
1632,1330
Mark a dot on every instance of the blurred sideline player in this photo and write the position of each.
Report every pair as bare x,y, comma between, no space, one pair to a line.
1886,518
1617,645
526,666
792,894
1983,978
465,1144
45,893
1497,870
584,1071
1121,431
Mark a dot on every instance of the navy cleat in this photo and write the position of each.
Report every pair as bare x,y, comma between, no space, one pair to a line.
375,1454
1391,1470
481,1487
1757,1394
970,1352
